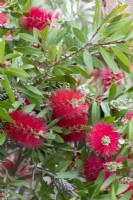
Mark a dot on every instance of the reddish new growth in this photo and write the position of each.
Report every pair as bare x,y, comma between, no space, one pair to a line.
92,167
70,108
38,18
109,77
103,139
26,129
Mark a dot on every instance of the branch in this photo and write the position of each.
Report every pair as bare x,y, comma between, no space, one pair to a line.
89,44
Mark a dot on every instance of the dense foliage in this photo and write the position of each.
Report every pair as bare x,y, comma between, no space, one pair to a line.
66,97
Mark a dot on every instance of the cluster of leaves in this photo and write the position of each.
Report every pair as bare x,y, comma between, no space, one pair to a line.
34,64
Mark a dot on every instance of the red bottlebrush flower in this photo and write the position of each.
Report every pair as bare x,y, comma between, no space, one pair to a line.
68,105
74,136
103,139
38,18
92,167
109,77
26,129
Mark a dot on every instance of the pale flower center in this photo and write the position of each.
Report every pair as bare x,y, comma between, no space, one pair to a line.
105,140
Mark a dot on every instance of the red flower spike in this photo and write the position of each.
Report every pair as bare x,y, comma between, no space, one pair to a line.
103,139
38,18
75,136
109,77
26,129
92,167
68,105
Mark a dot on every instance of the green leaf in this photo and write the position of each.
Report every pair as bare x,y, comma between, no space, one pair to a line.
4,115
59,139
56,129
27,66
52,53
108,59
130,134
18,183
2,138
28,38
96,62
8,89
11,55
88,59
79,70
63,79
14,194
126,196
34,90
28,108
95,113
14,71
108,182
45,32
2,49
105,108
112,92
79,35
63,166
67,175
113,192
121,56
5,104
59,36
29,51
122,188
36,33
53,122
97,17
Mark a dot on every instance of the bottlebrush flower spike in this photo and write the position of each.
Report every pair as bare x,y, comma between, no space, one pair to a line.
26,129
92,167
69,106
74,136
109,77
38,18
103,139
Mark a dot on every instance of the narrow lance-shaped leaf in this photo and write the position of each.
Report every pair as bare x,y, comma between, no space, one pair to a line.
2,49
95,113
112,92
130,134
28,37
79,35
97,17
88,59
4,115
121,56
108,59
